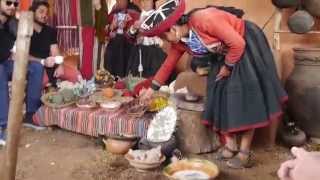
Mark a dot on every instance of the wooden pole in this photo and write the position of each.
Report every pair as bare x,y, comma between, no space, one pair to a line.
25,30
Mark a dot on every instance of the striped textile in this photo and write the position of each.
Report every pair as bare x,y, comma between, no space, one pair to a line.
93,122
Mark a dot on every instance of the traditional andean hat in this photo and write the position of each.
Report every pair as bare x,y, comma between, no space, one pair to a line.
164,17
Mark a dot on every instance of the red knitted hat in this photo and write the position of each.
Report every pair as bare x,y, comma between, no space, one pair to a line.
163,18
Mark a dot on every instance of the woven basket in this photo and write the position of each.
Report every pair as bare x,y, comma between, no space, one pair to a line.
135,109
45,101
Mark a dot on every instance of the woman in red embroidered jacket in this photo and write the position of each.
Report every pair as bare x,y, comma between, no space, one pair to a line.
116,56
146,55
244,92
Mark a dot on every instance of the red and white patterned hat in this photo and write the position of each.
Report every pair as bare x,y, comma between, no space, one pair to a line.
164,17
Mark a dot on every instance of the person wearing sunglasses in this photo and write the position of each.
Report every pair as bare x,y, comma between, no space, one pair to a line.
243,89
12,3
8,32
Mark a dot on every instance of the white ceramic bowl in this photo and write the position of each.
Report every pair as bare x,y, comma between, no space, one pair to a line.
110,105
191,97
144,166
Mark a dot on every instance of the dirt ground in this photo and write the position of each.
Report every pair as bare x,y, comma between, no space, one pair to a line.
61,155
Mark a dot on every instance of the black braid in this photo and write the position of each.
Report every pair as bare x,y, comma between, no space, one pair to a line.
235,11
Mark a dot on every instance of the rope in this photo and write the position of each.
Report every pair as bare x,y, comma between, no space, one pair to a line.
269,19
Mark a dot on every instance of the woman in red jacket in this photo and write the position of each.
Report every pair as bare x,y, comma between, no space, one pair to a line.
116,56
244,92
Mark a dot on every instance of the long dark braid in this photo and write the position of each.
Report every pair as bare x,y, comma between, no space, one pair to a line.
235,11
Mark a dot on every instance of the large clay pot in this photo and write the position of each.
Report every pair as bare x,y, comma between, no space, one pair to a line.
301,22
285,3
119,145
303,87
312,6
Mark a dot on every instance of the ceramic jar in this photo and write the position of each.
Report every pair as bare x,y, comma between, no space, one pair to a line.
303,87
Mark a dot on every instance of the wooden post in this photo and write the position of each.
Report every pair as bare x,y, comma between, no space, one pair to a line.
25,30
277,48
267,136
193,136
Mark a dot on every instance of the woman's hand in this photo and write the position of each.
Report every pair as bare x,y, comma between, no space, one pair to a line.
136,25
50,61
146,94
223,73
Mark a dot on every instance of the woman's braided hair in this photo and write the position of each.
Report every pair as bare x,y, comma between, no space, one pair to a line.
235,11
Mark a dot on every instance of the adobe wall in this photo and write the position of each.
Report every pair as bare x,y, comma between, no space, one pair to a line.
259,11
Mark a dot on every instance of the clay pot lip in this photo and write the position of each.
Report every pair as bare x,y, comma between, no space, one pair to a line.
283,5
121,138
306,48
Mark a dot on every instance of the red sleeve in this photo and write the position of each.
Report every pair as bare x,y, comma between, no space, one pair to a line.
110,18
169,64
218,26
134,15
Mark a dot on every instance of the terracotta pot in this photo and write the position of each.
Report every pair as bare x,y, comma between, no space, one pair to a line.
301,22
119,146
285,3
312,6
303,87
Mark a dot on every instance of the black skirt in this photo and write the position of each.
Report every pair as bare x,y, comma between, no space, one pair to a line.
152,58
117,55
252,96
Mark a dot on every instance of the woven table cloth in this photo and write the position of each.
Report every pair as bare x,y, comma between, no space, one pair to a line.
93,122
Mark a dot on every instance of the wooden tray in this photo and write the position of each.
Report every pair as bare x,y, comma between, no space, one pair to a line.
86,106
